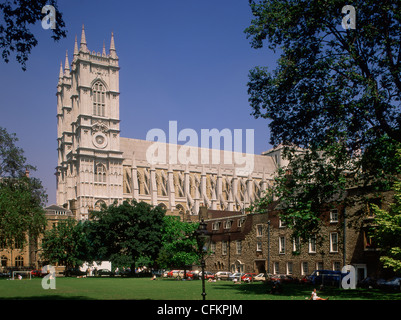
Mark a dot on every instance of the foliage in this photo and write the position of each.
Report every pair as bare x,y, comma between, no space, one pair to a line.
124,233
15,36
65,243
331,84
179,246
21,198
388,229
12,160
21,211
333,101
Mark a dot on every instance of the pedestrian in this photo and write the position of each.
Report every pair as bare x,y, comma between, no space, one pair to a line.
314,296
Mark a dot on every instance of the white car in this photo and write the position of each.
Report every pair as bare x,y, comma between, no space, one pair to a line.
223,275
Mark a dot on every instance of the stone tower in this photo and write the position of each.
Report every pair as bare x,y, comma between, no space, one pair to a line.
89,170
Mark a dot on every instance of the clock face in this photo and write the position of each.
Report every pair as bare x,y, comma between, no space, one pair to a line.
100,140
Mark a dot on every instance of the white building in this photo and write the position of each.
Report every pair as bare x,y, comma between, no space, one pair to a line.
96,165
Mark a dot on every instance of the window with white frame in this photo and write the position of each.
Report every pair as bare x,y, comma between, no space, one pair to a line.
281,223
333,215
289,268
305,268
334,242
312,244
216,226
240,222
319,265
259,246
259,230
239,246
296,244
276,269
213,247
224,247
228,224
281,245
336,266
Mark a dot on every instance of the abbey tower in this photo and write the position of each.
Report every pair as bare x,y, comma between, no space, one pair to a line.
89,158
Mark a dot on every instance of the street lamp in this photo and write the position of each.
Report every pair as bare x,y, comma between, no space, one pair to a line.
203,239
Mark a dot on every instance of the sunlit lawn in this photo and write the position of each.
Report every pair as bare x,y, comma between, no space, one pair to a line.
144,288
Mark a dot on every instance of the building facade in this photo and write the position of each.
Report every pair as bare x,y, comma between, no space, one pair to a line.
27,256
261,243
96,165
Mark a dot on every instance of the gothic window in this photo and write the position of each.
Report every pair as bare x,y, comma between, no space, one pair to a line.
99,204
3,261
19,261
100,173
99,98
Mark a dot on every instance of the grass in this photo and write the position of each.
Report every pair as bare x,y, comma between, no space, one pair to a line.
166,289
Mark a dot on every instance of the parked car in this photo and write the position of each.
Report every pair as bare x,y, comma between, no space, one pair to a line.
173,273
247,277
325,277
37,273
392,284
74,272
105,273
193,275
263,277
222,275
208,275
368,282
235,276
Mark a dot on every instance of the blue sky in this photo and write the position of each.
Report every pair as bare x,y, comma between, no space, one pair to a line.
180,60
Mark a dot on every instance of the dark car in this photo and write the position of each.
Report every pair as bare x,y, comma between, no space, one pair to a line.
325,277
74,272
368,282
392,284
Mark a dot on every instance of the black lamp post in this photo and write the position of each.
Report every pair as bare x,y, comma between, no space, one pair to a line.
203,239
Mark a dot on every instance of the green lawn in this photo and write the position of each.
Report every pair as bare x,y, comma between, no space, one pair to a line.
144,288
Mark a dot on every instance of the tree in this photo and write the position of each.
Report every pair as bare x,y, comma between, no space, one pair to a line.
179,246
21,211
335,94
14,33
65,243
126,232
387,229
21,198
331,84
12,161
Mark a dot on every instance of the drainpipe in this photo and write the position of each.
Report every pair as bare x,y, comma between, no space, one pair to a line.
345,239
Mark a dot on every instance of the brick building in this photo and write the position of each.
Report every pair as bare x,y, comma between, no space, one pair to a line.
262,243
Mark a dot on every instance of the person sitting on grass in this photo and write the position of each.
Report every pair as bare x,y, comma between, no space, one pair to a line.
314,296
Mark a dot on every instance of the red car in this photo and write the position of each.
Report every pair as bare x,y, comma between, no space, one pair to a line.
37,273
208,275
248,276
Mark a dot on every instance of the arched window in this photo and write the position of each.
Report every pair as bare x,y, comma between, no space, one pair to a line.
100,173
99,204
3,261
19,261
99,99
